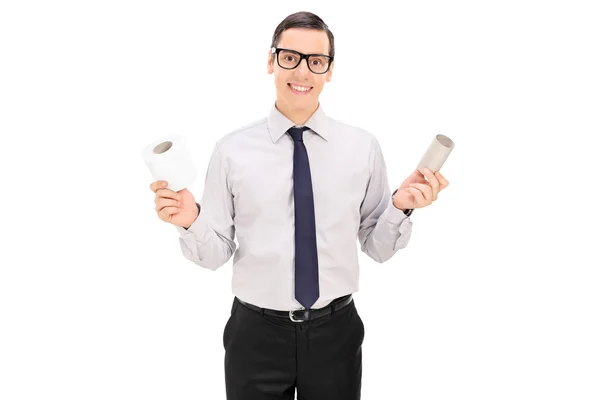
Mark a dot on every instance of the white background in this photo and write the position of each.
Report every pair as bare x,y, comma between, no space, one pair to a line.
497,295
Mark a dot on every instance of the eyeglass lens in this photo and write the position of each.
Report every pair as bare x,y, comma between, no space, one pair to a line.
291,59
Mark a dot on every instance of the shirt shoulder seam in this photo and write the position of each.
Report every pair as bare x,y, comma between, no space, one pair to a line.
243,128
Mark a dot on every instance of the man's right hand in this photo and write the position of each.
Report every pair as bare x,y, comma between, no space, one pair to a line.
178,208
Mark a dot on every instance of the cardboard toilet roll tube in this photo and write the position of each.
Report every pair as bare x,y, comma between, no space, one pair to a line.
437,153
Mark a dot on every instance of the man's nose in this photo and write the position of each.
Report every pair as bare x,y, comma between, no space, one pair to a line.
302,69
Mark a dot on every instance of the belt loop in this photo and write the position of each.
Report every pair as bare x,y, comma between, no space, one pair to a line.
262,312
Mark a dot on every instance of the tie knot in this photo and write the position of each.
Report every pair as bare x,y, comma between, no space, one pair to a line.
296,133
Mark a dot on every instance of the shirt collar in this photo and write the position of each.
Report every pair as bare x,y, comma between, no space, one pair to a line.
278,124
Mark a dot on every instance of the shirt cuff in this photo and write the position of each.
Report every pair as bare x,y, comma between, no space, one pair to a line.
401,224
394,215
196,229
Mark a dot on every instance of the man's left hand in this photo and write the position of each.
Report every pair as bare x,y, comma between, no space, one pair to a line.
418,190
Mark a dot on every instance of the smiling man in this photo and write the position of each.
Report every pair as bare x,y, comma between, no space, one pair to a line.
298,188
298,83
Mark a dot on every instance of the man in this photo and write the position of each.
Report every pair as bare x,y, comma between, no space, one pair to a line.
297,188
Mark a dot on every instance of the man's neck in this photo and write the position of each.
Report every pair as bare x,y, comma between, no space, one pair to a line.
298,117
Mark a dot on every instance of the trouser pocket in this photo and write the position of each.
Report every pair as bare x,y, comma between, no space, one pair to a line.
229,322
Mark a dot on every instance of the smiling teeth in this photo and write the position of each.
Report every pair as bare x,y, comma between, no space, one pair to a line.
300,88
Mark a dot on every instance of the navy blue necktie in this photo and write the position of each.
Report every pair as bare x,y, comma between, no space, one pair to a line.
307,265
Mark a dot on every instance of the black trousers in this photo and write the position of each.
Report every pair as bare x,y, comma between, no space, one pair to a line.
268,357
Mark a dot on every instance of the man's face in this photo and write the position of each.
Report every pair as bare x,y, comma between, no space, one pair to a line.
307,41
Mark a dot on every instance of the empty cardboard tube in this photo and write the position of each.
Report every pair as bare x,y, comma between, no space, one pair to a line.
437,153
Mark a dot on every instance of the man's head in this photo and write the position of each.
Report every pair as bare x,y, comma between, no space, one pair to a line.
303,33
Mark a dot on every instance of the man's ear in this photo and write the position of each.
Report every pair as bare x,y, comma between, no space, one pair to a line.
270,63
328,75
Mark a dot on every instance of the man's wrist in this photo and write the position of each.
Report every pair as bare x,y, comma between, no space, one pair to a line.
187,227
406,211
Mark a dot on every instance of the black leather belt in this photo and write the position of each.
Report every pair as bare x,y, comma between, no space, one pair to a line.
302,315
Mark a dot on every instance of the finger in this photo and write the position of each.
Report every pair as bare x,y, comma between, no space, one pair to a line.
425,190
418,195
420,179
443,181
164,202
168,193
167,212
417,174
154,186
435,184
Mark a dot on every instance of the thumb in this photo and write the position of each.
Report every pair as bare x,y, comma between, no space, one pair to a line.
418,173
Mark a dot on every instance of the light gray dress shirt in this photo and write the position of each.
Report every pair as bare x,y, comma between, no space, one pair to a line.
249,193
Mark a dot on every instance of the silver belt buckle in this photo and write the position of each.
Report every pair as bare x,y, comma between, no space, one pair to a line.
292,315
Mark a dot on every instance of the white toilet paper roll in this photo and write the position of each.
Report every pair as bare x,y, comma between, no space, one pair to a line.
168,160
437,153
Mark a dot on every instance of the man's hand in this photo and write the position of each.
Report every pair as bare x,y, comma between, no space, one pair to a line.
178,208
418,190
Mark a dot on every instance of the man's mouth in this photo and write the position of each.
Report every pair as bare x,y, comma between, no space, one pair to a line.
299,89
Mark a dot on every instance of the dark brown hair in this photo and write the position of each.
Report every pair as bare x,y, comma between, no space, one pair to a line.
303,19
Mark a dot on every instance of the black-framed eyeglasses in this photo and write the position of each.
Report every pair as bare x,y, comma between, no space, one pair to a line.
290,59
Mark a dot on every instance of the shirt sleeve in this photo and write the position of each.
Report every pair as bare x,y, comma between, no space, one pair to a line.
209,241
384,229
